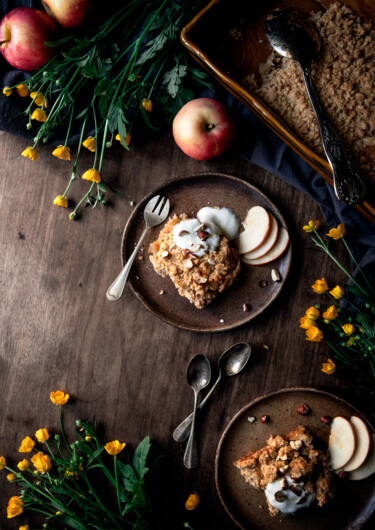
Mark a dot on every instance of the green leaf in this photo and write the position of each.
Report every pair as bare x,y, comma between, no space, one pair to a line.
152,47
173,78
95,454
140,457
129,476
73,523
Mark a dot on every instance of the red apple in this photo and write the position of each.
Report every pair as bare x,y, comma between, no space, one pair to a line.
69,13
23,32
203,128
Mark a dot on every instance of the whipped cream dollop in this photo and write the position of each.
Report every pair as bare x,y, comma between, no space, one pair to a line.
202,235
288,496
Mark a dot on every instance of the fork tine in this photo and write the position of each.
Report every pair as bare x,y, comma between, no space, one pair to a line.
165,210
160,206
152,203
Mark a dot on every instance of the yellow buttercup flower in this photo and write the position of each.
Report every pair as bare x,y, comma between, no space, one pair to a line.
11,477
24,527
62,152
39,115
61,201
93,175
314,334
88,438
330,313
7,91
192,501
90,143
337,233
23,465
351,341
114,448
337,292
127,138
27,445
22,90
15,507
3,462
348,329
312,313
39,99
313,225
320,286
30,152
59,397
42,462
147,105
42,435
329,367
305,322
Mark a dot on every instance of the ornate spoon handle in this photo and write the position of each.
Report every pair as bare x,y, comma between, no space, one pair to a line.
348,184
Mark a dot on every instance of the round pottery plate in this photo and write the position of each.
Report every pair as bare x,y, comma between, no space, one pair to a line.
354,501
254,285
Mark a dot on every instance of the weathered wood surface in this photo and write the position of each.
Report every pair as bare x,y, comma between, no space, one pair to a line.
124,367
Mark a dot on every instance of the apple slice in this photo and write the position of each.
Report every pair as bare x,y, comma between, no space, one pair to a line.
276,251
341,443
368,466
362,444
268,243
257,226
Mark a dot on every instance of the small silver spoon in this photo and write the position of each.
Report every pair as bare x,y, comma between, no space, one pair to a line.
293,37
198,377
231,362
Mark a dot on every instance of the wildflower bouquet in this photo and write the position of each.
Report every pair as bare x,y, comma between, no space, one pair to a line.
350,333
72,485
106,79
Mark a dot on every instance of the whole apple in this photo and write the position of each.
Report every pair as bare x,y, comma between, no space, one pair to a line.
203,128
23,32
69,13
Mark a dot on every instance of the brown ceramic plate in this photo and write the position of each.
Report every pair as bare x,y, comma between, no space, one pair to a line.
228,39
354,501
187,195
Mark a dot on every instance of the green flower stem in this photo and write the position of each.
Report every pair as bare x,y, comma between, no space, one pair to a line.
113,517
342,356
83,128
69,125
49,450
104,141
62,429
116,481
83,198
324,247
96,137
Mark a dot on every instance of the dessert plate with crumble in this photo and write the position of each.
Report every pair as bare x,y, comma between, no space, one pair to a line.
244,463
245,290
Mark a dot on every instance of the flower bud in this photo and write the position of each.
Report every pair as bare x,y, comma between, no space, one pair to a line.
79,423
28,126
57,437
72,216
108,144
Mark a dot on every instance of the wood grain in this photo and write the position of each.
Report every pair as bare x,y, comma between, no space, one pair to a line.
124,367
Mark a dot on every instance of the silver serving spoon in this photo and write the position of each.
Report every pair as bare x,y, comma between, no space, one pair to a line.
198,377
293,37
231,362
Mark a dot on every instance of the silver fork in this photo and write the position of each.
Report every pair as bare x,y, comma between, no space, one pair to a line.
155,212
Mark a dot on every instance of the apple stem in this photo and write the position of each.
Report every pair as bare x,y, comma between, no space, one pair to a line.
210,126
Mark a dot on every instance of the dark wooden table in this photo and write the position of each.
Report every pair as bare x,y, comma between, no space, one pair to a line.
121,365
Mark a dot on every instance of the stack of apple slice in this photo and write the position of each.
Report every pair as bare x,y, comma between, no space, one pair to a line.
263,240
351,447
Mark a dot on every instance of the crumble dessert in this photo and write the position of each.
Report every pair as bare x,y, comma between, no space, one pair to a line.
344,77
196,255
292,471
